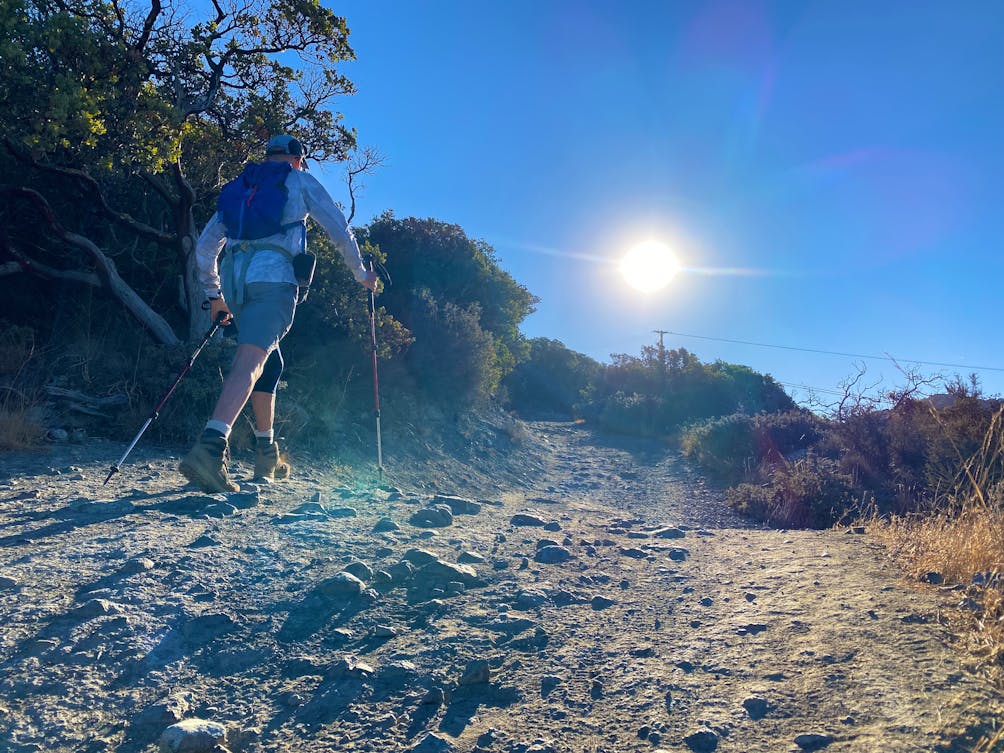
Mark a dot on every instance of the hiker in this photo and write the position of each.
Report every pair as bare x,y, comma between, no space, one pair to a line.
261,298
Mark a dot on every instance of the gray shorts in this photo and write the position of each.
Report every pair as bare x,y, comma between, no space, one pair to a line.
266,314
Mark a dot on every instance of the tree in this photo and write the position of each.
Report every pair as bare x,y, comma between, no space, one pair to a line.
121,122
444,279
552,378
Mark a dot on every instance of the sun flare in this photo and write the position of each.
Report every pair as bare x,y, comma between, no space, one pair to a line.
649,266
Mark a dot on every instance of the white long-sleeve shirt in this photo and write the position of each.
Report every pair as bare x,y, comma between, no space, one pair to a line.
307,197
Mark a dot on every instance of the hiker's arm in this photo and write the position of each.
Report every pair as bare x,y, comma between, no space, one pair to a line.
207,251
324,211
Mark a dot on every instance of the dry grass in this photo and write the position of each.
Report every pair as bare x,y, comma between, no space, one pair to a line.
963,542
967,549
18,428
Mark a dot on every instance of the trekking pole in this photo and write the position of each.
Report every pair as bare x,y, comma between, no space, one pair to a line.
156,411
376,379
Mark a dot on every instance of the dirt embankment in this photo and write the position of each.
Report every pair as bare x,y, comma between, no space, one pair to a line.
593,596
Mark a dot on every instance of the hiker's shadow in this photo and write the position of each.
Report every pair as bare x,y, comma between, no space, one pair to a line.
314,612
83,512
77,514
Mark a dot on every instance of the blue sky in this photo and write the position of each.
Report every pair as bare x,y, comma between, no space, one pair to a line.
829,173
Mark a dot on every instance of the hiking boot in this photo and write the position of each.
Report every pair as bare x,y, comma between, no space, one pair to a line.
269,463
206,465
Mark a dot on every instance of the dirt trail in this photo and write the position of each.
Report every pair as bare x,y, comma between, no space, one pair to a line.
644,616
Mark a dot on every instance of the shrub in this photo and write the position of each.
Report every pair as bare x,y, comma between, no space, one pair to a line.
810,493
20,425
724,447
629,414
733,446
453,360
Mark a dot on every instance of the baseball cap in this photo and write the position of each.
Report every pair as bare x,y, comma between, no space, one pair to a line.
284,144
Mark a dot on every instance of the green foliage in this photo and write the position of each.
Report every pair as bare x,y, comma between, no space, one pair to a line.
732,446
462,308
552,378
127,117
629,414
454,360
725,447
662,391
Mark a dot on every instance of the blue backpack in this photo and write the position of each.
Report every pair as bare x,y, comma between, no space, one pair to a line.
251,204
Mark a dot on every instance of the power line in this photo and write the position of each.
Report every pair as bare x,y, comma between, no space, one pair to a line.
839,353
813,389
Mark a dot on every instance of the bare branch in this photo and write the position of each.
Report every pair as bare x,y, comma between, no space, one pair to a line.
366,161
184,187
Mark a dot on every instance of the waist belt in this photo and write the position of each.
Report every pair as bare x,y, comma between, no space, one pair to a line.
248,249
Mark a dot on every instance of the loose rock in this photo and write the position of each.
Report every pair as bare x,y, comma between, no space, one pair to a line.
437,516
601,602
385,525
359,569
433,743
457,505
702,741
96,608
669,533
342,585
7,584
192,736
552,555
756,707
813,741
478,672
419,557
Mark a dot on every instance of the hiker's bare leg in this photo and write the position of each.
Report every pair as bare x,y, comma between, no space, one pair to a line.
244,372
263,406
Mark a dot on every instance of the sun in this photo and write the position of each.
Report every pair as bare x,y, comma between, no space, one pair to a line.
649,266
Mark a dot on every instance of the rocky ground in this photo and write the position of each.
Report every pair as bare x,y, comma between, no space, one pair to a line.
581,594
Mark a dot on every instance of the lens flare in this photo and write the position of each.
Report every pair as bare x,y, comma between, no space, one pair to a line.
649,266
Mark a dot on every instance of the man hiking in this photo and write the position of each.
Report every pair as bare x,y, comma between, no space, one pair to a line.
261,297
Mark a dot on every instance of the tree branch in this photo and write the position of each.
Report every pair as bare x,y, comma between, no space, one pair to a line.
94,190
26,264
157,184
151,18
366,161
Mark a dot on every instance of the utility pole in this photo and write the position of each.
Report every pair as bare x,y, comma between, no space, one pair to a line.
662,348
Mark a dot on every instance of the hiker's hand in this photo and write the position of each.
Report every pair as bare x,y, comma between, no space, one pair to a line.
219,306
370,281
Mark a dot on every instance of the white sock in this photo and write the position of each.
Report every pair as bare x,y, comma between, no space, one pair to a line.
269,435
219,426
